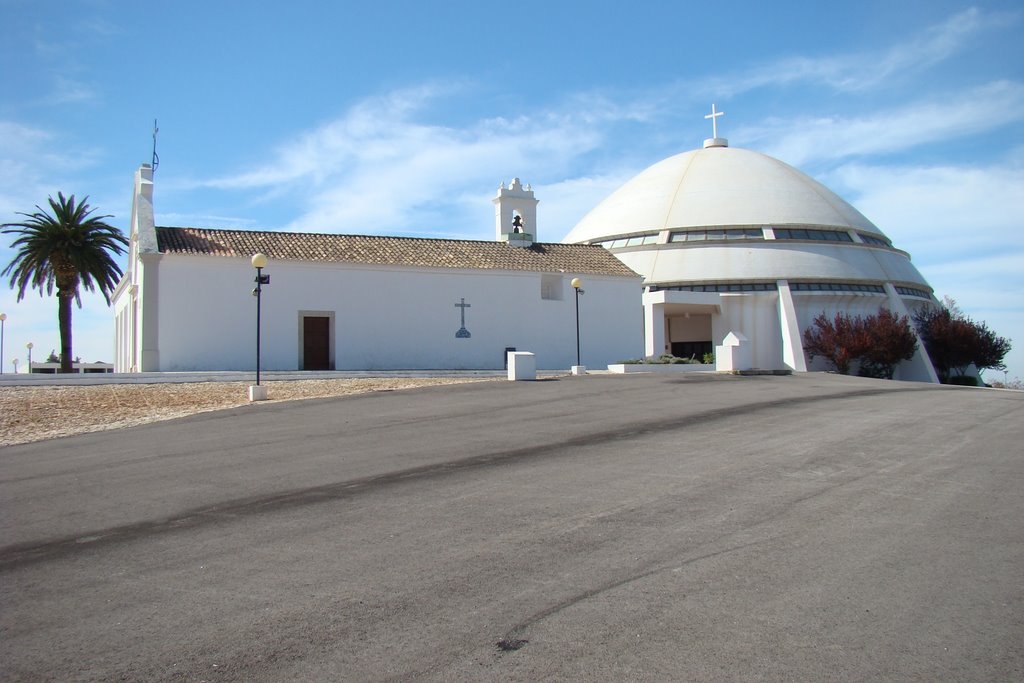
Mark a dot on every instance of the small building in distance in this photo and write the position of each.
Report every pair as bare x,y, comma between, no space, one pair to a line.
47,368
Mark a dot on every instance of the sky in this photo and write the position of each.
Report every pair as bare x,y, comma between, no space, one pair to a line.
402,118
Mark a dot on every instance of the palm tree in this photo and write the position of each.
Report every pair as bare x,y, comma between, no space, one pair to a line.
67,248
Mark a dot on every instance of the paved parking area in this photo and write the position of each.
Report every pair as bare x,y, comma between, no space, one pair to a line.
588,528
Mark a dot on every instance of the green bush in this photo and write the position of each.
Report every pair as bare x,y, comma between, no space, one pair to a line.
963,380
663,359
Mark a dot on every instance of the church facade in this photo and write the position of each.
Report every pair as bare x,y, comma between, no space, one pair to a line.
358,302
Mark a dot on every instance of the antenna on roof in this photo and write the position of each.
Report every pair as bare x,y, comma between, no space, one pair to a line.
156,158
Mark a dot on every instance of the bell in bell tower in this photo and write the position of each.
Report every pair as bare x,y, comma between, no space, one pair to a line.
515,214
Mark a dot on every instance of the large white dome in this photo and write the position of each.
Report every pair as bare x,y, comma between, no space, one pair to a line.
735,245
718,186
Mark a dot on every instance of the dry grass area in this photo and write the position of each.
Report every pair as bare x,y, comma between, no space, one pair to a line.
36,413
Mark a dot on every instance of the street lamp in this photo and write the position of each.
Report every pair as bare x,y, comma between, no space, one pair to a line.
29,347
577,285
259,262
3,319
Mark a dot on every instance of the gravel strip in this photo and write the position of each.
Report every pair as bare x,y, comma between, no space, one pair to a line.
31,413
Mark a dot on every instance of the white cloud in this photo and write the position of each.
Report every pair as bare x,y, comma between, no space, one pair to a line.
861,71
379,169
939,212
374,129
890,130
35,163
70,91
172,218
565,203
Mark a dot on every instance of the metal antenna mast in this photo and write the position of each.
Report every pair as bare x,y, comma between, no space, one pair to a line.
156,158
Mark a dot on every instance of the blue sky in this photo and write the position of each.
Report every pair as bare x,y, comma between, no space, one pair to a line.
403,117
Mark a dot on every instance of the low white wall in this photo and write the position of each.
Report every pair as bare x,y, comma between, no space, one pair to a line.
670,368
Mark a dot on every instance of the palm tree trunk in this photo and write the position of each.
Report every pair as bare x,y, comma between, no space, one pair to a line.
64,322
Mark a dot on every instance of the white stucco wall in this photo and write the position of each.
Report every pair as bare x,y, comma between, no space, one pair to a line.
755,316
387,317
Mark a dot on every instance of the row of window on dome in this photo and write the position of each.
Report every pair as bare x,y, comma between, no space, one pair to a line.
812,234
634,241
712,234
836,287
718,234
913,291
794,286
719,287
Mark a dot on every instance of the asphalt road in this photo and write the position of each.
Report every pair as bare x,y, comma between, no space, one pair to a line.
585,528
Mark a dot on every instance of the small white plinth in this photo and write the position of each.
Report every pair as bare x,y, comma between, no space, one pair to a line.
258,393
522,365
579,369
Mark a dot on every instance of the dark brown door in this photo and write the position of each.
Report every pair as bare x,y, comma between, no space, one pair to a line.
316,343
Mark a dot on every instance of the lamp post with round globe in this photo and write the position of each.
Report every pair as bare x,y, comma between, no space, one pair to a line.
259,262
29,347
577,285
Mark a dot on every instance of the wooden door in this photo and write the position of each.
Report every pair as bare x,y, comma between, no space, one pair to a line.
316,343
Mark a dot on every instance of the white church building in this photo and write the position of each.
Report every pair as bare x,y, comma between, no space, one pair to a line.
360,302
735,245
717,250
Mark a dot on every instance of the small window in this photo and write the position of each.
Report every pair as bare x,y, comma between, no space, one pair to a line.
551,287
871,239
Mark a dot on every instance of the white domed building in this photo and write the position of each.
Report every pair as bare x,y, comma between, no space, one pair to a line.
736,247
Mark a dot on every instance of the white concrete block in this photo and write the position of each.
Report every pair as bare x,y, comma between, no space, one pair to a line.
734,353
258,393
522,365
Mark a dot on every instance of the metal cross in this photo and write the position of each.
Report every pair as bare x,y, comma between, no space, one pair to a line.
714,120
463,333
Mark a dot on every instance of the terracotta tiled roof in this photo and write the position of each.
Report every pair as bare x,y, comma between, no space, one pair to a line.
396,251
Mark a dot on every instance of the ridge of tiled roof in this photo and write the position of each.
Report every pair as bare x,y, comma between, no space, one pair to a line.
392,251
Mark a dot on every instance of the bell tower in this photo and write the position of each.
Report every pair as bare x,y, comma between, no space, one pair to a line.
515,214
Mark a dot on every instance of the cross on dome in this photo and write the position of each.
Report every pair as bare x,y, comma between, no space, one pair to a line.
714,120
